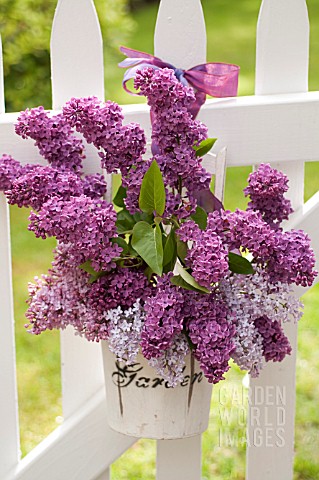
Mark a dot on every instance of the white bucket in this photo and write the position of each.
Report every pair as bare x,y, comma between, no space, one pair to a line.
141,404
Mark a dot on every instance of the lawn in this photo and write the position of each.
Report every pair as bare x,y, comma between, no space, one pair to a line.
231,38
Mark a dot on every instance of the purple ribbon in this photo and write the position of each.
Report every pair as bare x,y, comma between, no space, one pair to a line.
215,79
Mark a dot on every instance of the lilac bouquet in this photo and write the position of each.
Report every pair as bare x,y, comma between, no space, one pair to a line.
164,269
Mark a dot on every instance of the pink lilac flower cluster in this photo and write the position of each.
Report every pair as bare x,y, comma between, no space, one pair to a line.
164,318
208,257
106,286
266,189
275,343
54,138
102,124
174,133
87,224
10,169
38,185
286,256
211,331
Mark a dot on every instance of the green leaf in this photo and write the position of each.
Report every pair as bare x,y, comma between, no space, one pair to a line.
152,195
180,282
125,221
142,216
94,275
187,277
170,252
239,264
147,241
122,243
200,217
181,248
118,200
170,248
204,146
87,267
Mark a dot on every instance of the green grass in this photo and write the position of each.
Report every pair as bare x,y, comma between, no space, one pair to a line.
231,38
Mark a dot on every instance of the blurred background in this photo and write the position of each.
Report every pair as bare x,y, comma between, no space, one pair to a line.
25,27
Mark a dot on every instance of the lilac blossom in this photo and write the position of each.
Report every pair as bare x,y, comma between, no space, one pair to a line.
266,188
10,169
125,328
54,138
275,343
251,297
59,298
38,184
102,124
120,288
174,133
171,364
164,318
87,224
211,332
207,257
293,259
94,185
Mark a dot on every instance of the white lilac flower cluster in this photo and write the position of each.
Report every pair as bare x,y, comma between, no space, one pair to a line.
250,298
171,364
125,329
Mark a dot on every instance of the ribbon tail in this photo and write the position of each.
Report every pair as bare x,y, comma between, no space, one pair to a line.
200,98
129,52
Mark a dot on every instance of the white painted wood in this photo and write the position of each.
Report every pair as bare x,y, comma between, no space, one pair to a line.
82,370
140,404
105,476
216,165
282,47
80,449
9,428
77,70
291,122
307,219
180,38
282,66
76,52
180,33
179,459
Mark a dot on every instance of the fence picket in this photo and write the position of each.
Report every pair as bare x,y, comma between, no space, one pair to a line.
281,66
77,70
76,52
180,38
282,47
9,430
180,33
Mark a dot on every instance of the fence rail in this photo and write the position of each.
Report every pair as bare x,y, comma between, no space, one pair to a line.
279,125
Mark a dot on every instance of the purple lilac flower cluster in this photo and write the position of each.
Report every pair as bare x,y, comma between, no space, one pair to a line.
87,224
104,284
208,257
211,331
54,138
174,134
102,124
164,318
266,188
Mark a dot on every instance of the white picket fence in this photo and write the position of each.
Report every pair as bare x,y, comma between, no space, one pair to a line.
278,125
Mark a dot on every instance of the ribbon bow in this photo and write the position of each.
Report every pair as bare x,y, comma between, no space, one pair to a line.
215,79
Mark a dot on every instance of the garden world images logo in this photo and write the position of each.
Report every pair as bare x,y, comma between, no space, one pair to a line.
255,416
